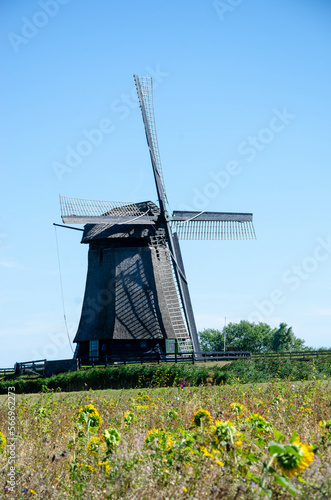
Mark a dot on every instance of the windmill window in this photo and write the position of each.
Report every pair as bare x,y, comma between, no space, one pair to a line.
94,348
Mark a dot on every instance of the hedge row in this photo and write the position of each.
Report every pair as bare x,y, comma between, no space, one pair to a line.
127,377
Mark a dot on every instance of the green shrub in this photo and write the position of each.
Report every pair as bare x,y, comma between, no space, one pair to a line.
166,375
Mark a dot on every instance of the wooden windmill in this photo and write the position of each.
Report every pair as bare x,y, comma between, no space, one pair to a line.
137,298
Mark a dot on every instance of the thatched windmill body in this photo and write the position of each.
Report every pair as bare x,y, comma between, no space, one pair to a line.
136,297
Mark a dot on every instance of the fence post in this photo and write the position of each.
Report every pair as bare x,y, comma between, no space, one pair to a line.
106,361
193,360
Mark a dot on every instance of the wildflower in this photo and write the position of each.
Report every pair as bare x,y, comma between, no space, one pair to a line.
2,442
223,433
237,408
185,489
112,438
129,417
33,492
296,457
95,446
200,416
259,424
104,464
159,439
89,416
172,414
206,452
323,424
143,407
143,396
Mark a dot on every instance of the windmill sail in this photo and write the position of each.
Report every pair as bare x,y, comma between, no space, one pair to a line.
213,225
81,211
145,94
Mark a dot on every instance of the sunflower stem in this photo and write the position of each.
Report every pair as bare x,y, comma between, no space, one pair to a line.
266,470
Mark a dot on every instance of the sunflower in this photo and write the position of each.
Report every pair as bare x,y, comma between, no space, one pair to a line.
112,438
295,459
258,424
95,446
237,408
159,439
201,416
89,416
223,433
2,442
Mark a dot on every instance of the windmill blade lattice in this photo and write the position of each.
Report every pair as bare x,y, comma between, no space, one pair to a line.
214,230
212,225
145,93
78,210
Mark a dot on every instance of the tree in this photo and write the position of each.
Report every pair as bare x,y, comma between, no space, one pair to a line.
211,340
246,336
243,336
285,340
252,337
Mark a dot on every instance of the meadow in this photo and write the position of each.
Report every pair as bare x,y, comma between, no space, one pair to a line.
236,441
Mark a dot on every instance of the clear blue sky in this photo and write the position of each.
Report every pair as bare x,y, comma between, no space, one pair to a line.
245,86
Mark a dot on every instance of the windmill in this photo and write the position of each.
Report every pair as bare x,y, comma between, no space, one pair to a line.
136,297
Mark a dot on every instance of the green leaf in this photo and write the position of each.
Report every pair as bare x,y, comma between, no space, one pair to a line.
294,435
276,448
278,436
252,457
255,478
283,481
301,480
290,449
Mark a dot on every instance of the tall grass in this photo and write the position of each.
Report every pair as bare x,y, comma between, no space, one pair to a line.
160,443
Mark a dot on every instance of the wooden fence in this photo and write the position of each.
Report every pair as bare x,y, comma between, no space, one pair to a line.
6,371
38,367
161,358
292,354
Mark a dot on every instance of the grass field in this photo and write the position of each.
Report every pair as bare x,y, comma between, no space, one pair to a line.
219,442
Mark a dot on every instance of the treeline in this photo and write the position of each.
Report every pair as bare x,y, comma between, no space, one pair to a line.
256,338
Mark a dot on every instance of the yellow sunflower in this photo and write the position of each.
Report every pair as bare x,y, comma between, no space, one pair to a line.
89,415
201,416
2,442
159,439
237,408
292,464
95,446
